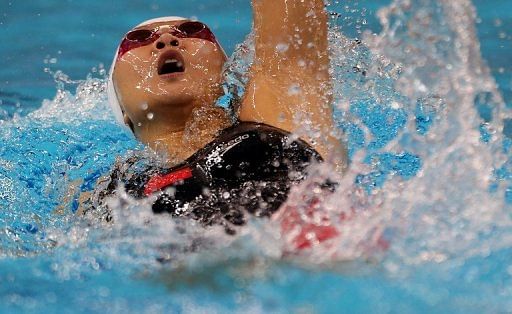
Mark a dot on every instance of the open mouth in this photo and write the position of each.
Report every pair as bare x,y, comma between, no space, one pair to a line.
170,63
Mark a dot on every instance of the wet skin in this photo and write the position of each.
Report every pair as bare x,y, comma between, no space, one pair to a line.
291,54
159,106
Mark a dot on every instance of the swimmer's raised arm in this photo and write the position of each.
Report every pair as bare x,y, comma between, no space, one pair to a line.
290,81
291,34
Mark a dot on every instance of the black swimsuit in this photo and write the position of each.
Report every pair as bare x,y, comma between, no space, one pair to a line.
250,167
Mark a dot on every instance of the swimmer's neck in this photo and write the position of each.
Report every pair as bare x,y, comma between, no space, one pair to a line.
163,129
178,140
174,145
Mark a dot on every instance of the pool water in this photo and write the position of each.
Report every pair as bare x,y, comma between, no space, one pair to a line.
425,103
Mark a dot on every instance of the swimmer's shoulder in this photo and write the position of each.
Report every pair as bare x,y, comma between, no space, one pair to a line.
295,104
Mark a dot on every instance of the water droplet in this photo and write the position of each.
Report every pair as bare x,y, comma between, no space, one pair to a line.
226,195
150,116
281,47
396,105
294,90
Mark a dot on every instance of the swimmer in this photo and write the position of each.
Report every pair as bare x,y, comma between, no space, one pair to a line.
164,82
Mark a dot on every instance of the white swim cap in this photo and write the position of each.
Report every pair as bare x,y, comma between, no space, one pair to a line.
113,99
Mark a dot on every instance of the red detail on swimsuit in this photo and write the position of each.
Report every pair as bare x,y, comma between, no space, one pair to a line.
159,182
305,224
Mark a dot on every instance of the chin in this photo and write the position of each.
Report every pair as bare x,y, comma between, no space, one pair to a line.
170,98
165,88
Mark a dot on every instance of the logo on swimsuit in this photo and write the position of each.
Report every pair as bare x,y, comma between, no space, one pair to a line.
215,157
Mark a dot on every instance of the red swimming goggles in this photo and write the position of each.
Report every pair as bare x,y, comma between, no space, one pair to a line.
143,37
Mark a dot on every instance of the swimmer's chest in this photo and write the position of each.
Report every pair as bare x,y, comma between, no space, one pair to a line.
245,160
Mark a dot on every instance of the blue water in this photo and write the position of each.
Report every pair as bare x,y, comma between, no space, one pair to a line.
48,265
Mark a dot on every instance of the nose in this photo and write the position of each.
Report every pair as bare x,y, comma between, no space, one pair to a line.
166,39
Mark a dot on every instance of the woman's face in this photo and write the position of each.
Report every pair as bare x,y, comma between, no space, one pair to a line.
165,69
